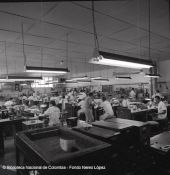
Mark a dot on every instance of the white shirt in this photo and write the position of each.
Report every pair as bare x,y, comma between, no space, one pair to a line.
132,94
81,103
54,115
32,98
107,107
82,95
161,108
125,103
8,103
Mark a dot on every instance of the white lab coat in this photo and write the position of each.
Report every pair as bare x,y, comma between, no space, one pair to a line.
162,107
54,115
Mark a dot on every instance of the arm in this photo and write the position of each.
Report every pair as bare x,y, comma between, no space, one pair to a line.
47,112
162,112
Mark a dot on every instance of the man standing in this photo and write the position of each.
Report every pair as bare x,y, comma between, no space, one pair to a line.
132,94
108,111
88,108
162,113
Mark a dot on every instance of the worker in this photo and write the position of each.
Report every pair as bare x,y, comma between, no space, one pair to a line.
132,94
54,114
124,102
162,113
108,111
9,103
88,108
157,93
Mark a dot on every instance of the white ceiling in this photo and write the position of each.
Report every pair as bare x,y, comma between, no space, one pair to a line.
122,28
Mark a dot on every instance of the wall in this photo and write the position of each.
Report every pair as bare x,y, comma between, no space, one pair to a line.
42,90
138,81
136,78
164,70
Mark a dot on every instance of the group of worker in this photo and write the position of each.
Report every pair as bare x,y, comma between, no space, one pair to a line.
87,102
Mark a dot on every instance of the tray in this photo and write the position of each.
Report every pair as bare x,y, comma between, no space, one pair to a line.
44,145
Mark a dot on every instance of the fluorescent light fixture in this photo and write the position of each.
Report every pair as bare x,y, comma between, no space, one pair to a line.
5,80
123,77
147,99
52,81
22,78
94,78
46,70
152,75
84,81
71,81
111,59
79,78
99,79
23,84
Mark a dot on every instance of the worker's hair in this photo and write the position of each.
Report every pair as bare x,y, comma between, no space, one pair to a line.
35,102
158,97
103,98
52,102
90,94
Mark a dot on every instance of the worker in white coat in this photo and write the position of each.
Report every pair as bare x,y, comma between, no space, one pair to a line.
54,114
88,103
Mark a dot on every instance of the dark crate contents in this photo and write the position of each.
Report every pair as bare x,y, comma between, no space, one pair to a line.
42,147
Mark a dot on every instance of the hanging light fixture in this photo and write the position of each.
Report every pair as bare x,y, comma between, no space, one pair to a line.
22,78
111,59
153,70
46,70
79,78
123,77
84,81
152,75
5,80
99,79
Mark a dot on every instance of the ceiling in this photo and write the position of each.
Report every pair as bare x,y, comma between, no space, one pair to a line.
56,31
